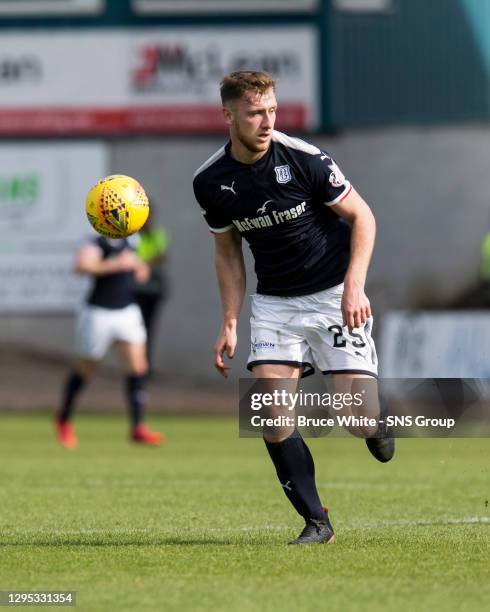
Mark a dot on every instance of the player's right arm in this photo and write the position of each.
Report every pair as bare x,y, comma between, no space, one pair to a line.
230,270
89,260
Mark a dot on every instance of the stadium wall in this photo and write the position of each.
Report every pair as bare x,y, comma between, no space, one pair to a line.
418,62
428,187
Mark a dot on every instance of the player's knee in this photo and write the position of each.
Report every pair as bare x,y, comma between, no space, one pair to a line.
86,368
275,437
369,431
139,368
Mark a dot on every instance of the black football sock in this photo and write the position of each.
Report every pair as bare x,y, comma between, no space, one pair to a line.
136,396
384,412
310,464
296,472
74,384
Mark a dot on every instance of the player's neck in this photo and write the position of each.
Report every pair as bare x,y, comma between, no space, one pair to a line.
239,152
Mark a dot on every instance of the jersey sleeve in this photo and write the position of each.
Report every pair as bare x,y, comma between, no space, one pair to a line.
328,181
216,219
91,240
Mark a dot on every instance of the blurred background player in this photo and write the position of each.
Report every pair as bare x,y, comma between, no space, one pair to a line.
151,294
109,316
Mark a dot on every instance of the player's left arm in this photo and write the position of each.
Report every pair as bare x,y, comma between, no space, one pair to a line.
356,308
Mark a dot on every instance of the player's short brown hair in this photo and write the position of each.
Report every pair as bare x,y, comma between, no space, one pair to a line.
235,84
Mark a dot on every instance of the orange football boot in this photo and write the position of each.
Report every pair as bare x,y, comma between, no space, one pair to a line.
143,435
66,435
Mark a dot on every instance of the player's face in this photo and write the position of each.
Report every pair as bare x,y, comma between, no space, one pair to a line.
251,120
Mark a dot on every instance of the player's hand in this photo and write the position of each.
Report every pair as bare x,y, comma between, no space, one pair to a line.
356,308
127,261
142,272
226,342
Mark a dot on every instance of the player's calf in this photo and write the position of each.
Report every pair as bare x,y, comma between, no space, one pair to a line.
382,444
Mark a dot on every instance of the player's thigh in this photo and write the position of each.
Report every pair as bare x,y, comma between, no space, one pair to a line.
128,325
93,333
334,348
86,367
133,357
276,370
359,395
279,379
278,347
279,356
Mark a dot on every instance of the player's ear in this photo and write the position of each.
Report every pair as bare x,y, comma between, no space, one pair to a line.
227,114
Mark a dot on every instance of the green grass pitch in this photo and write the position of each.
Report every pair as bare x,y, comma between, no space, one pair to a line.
202,524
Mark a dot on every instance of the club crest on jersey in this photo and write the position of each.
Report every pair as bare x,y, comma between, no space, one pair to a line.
283,174
336,178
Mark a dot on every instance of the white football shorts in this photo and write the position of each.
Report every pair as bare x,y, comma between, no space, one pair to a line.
307,331
98,328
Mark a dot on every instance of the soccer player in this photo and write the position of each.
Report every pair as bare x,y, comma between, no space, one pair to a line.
110,316
312,236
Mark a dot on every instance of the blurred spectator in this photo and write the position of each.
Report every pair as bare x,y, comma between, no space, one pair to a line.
109,316
485,267
150,295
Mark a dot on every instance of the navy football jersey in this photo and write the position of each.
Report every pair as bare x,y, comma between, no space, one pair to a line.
112,290
280,205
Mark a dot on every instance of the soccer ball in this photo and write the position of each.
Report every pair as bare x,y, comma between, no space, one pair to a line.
117,206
